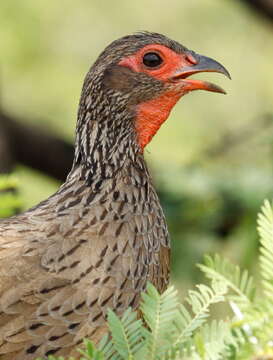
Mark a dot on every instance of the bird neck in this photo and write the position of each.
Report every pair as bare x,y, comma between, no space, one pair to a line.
107,156
105,136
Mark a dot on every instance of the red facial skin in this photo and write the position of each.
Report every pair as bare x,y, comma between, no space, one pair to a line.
151,114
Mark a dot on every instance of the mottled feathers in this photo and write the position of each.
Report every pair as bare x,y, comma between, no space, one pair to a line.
97,241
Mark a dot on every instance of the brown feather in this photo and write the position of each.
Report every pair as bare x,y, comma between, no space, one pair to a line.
99,239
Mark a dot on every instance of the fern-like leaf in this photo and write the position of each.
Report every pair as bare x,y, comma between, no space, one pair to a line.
90,352
200,301
265,228
159,312
126,334
106,346
212,339
219,269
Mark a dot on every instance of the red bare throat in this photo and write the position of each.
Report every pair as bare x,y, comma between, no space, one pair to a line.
151,115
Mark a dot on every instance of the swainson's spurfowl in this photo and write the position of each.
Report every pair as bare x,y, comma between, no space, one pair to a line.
102,236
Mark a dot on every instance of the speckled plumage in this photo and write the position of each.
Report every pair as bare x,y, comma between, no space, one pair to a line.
96,242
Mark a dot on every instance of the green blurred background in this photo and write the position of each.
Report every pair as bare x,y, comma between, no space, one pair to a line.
211,161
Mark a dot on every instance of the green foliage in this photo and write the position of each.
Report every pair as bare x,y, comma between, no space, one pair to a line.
9,200
170,330
126,335
200,301
220,269
265,228
90,352
159,312
169,325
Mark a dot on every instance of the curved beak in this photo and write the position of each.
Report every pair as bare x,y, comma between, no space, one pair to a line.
200,63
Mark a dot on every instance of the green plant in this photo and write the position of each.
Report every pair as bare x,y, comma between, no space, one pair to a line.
176,331
9,200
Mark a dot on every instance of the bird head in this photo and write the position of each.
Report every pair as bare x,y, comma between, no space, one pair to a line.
144,75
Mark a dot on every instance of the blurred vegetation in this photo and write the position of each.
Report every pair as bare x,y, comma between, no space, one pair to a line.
10,202
211,161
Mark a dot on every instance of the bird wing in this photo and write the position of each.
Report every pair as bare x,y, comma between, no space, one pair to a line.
44,304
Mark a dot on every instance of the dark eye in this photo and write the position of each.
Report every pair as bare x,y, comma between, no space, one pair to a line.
152,59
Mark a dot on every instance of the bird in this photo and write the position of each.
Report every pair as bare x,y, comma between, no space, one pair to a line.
96,243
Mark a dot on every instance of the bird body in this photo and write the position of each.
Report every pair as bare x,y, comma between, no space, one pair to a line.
102,236
97,249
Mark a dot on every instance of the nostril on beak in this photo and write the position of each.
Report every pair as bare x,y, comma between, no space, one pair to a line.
191,58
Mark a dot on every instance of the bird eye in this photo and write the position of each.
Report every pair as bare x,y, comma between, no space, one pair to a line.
152,59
